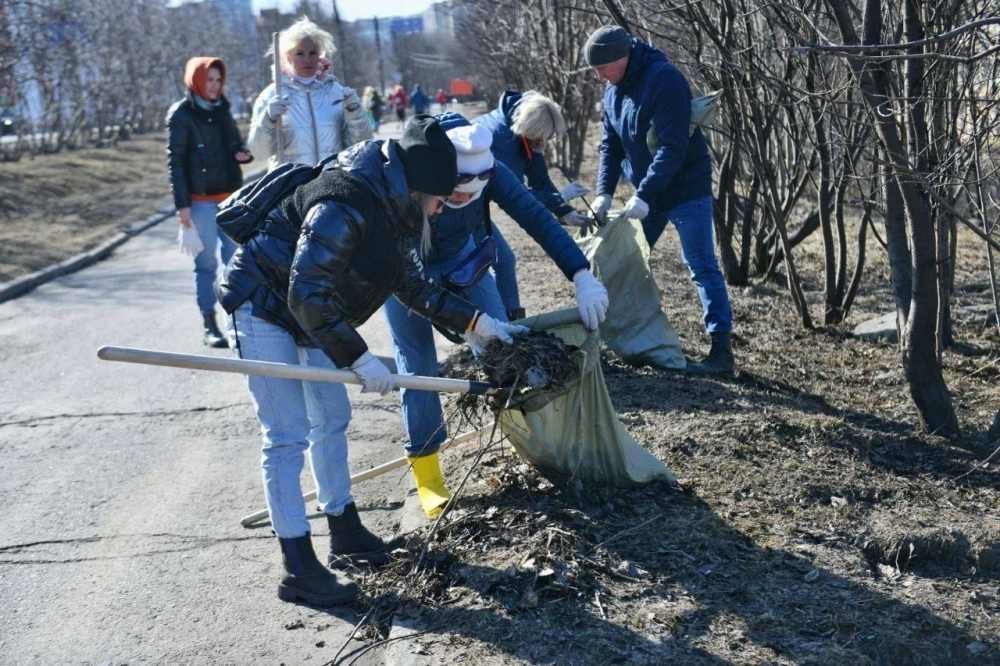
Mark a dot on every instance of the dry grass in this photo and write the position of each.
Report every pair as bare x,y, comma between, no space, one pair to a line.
58,205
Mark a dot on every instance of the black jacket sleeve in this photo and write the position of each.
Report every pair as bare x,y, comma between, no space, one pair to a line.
178,145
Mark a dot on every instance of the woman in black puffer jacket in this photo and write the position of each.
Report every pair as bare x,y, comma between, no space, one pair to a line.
204,153
322,263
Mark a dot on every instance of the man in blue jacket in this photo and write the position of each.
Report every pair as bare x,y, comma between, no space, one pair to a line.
647,115
419,100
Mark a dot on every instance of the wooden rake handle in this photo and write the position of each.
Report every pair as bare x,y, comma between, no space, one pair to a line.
285,371
378,470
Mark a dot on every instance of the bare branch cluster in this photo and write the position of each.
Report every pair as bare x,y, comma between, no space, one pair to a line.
535,45
80,71
885,110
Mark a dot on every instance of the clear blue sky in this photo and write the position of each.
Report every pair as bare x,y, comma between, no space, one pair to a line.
352,10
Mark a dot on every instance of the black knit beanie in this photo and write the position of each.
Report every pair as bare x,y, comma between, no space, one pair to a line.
606,45
428,157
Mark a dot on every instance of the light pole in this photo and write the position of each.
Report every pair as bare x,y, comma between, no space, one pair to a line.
381,72
340,40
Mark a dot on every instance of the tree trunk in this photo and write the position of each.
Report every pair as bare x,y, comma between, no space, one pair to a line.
918,336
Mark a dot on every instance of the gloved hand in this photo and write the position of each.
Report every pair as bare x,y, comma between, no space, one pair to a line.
601,206
635,208
374,376
573,190
277,106
591,298
190,242
351,100
486,328
574,219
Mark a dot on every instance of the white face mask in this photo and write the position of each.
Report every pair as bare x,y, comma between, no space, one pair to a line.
456,206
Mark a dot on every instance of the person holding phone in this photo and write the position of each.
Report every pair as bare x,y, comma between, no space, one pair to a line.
204,154
319,116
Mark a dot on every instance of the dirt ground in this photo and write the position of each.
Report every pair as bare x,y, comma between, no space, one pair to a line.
812,523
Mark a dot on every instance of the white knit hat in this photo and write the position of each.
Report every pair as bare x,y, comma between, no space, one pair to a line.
472,146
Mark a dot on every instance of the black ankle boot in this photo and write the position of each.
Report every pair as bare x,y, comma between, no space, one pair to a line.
213,336
719,360
309,581
516,314
351,543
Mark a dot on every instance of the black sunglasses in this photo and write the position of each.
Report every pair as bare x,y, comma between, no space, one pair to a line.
464,178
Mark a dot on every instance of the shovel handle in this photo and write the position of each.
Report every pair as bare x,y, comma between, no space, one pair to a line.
374,471
284,370
278,133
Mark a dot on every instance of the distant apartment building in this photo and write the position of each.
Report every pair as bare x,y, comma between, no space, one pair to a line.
439,18
435,19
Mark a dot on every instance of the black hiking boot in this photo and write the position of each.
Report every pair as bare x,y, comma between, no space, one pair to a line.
213,336
307,580
351,544
719,360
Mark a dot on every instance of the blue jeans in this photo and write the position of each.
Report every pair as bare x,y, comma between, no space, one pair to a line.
295,416
505,269
693,221
206,266
413,339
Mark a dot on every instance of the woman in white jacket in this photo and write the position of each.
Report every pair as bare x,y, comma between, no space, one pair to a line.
319,116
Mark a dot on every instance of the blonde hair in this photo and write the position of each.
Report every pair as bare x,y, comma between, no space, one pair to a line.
537,117
427,236
293,35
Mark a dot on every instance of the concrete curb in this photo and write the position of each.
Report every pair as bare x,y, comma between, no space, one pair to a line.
26,283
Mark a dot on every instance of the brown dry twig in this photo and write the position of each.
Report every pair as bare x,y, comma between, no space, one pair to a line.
535,362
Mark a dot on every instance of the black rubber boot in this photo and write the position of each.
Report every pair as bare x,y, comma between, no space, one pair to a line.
514,315
309,581
213,336
351,544
719,360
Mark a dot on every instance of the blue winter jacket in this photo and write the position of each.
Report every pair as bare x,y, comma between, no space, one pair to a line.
453,226
419,100
646,122
512,150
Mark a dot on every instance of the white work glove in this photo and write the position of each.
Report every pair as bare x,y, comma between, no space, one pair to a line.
574,219
190,242
374,376
277,106
573,190
487,328
601,206
591,298
635,208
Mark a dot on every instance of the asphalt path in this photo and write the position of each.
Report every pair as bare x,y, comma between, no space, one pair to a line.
122,485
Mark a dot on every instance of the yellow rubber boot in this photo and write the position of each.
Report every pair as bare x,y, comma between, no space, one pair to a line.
430,484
